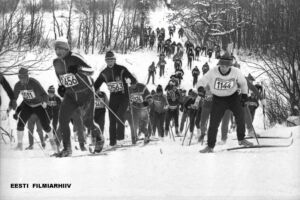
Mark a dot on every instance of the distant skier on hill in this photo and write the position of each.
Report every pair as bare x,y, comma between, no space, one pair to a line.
195,74
151,73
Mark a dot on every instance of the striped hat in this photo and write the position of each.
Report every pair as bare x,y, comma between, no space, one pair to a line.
62,43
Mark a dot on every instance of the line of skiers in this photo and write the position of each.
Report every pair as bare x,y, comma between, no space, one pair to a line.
128,100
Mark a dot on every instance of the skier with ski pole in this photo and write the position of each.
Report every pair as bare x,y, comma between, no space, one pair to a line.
223,82
116,77
35,101
74,76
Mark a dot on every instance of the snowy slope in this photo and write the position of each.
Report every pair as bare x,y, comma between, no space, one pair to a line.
161,170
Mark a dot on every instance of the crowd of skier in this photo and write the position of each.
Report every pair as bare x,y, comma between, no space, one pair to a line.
221,94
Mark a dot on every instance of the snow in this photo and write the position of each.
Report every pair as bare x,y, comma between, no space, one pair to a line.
160,170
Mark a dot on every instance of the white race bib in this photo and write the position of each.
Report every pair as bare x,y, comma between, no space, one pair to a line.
115,86
28,94
68,80
137,98
221,84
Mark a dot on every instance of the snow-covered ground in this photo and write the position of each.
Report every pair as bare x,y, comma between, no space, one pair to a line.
160,170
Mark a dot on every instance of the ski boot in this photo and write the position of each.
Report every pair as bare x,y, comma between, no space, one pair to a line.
99,144
82,146
44,145
245,143
19,147
207,149
146,140
64,153
30,147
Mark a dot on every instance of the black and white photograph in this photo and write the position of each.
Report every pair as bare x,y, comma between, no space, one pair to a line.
150,99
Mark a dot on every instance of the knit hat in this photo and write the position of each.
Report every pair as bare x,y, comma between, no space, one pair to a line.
110,55
225,59
51,89
23,71
205,68
62,43
159,89
250,77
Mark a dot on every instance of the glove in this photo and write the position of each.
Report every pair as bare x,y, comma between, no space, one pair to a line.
13,104
61,90
201,91
166,107
244,99
128,81
44,105
15,116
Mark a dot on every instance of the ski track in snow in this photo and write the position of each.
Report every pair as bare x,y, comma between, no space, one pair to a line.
162,170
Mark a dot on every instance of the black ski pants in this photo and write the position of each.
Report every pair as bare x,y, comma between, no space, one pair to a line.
84,99
219,106
118,104
171,114
27,111
159,120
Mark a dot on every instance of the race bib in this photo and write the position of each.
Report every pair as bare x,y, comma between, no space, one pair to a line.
98,103
68,80
136,98
221,84
115,86
52,103
28,94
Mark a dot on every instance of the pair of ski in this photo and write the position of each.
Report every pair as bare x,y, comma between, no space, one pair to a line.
265,145
139,143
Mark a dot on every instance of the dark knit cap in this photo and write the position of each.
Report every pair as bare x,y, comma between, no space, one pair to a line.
250,77
159,89
225,59
51,89
23,71
110,55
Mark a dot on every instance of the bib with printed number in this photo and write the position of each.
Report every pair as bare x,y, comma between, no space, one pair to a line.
52,103
28,94
98,103
136,98
221,84
115,86
68,80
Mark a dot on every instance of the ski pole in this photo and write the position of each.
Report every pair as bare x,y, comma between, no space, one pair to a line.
33,137
4,133
103,102
186,130
171,133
